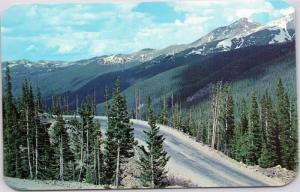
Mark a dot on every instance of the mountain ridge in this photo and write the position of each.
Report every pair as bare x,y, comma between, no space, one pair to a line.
239,28
78,74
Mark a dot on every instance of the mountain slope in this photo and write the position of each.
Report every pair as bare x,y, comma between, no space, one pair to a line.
78,75
246,34
190,77
239,27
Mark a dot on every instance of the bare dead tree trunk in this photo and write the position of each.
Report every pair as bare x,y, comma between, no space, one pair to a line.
290,115
165,110
94,102
81,155
118,165
139,104
98,166
73,170
36,153
68,105
219,95
87,146
152,169
216,115
77,104
214,123
172,102
61,159
28,143
95,167
136,103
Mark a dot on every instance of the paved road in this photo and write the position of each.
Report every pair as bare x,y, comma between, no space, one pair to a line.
192,161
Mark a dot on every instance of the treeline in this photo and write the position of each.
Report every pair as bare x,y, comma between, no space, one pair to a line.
255,131
42,146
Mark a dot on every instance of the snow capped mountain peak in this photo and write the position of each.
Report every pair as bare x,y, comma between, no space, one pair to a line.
245,33
241,33
246,22
287,22
238,27
115,59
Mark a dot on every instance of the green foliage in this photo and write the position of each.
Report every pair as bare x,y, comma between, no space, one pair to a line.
266,160
119,136
62,147
263,133
89,177
244,117
228,121
163,114
284,115
10,131
270,133
153,160
254,128
98,164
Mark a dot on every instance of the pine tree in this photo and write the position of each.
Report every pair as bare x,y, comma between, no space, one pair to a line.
244,117
153,160
294,135
10,130
163,115
285,128
106,98
98,167
228,120
216,111
255,132
176,117
119,141
66,105
62,146
85,132
265,159
77,147
245,149
270,138
27,122
39,103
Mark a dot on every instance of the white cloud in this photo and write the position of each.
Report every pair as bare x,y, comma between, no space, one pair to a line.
71,42
30,48
62,30
287,11
231,9
126,7
5,29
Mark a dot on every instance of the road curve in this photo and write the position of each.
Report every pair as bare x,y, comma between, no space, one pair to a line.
197,163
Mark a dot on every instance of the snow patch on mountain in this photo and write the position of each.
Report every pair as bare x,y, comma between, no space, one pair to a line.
114,59
239,34
196,52
226,44
284,22
281,37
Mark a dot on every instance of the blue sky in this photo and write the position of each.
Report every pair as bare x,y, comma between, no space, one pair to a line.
79,31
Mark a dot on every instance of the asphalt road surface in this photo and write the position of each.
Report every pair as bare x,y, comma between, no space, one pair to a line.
198,163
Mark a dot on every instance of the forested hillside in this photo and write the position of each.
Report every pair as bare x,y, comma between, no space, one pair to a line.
43,146
233,91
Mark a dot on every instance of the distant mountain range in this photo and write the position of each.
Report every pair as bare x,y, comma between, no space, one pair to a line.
232,46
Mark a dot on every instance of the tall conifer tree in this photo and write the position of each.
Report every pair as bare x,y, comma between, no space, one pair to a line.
10,130
119,138
153,159
255,132
285,127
